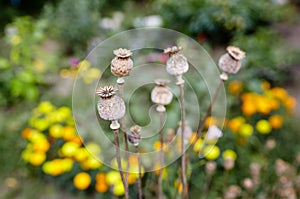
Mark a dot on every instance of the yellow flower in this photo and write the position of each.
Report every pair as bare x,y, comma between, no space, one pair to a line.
211,152
41,146
118,189
93,148
54,167
45,107
39,124
235,123
246,130
56,131
15,40
211,121
81,154
235,87
263,127
113,177
69,149
90,163
290,103
68,133
67,164
229,154
84,65
37,158
82,180
39,66
198,145
156,146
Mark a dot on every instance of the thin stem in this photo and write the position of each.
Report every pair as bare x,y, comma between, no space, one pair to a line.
184,194
140,172
208,112
116,134
161,157
123,127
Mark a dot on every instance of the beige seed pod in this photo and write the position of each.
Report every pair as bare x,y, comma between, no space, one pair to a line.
230,62
121,65
110,106
177,64
135,135
161,94
210,167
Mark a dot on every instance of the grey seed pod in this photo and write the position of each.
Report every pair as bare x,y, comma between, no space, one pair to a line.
231,61
161,93
135,135
110,106
177,64
121,65
187,131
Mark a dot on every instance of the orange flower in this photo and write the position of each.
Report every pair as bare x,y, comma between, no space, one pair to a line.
235,87
279,93
235,123
101,187
290,103
26,133
248,108
210,121
276,121
82,180
263,105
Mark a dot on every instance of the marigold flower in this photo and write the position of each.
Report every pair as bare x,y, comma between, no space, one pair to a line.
118,189
210,121
235,87
211,152
101,187
263,127
235,123
113,177
229,154
249,108
246,130
37,158
82,180
276,121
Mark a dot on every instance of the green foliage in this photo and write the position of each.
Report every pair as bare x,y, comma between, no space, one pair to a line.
74,23
265,58
222,19
23,65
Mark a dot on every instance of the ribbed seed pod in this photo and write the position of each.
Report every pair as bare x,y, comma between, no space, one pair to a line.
135,135
110,106
177,64
121,65
231,61
161,94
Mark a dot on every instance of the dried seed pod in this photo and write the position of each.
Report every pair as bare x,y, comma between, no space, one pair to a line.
232,192
121,65
210,167
110,106
187,131
135,135
231,61
177,64
248,184
161,94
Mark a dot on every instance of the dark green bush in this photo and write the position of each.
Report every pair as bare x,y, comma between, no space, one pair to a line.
220,20
74,22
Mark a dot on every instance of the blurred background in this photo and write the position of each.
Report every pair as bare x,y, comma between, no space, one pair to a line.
44,42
